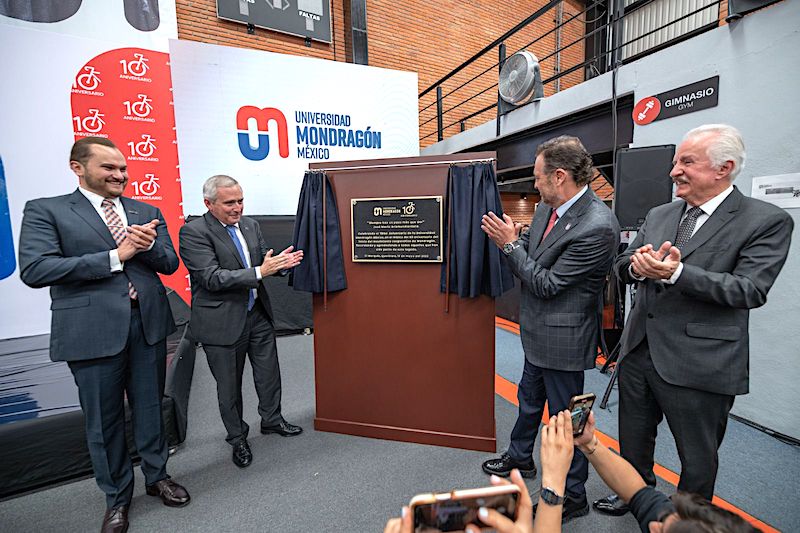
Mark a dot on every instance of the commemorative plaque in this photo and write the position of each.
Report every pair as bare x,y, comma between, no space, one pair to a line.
405,229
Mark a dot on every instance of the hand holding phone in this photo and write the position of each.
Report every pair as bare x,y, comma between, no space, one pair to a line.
579,408
453,511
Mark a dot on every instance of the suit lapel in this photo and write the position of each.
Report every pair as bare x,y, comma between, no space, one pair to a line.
566,223
721,216
216,228
131,212
666,229
84,209
538,225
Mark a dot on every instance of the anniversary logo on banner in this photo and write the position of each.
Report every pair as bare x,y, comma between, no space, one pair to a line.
126,95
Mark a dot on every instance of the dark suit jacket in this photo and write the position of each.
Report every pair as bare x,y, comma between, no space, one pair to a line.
64,244
562,283
220,281
697,329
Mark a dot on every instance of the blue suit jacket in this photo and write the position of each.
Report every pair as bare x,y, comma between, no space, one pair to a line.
64,244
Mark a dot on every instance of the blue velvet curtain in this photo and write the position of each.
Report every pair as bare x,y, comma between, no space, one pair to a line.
308,236
476,264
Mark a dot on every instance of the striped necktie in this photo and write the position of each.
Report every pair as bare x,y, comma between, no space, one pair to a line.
118,231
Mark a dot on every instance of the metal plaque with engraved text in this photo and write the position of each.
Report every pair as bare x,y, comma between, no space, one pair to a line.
407,229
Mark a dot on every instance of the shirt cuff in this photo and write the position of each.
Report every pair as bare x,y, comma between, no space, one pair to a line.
258,273
635,276
116,264
151,246
672,279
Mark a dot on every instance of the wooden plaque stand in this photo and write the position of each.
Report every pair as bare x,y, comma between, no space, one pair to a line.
390,362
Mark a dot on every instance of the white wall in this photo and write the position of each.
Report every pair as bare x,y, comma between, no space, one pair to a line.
756,60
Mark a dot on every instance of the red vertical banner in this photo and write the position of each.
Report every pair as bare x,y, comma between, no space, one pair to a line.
126,95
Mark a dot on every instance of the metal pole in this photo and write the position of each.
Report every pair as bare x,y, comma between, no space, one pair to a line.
500,62
440,132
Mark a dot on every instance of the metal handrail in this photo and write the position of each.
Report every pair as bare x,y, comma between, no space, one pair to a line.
613,50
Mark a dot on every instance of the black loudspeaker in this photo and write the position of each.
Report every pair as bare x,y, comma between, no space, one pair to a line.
641,182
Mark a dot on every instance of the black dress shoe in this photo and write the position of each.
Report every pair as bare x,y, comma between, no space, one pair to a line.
115,520
572,508
284,429
242,456
172,494
611,505
503,465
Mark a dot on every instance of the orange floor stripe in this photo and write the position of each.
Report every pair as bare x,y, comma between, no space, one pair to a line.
507,325
508,391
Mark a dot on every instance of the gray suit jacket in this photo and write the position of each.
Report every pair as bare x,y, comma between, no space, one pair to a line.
562,283
220,281
64,244
697,329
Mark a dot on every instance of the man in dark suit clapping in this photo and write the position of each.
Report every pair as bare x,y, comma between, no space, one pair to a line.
231,314
562,263
701,263
100,253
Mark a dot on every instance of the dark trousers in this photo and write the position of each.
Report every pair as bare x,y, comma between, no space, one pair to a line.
257,342
138,371
696,418
556,387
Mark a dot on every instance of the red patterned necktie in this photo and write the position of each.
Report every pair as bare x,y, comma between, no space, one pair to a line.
118,231
550,224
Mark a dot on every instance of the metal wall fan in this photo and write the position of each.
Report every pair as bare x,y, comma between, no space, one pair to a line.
520,79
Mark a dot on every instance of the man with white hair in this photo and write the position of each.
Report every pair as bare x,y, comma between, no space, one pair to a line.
701,263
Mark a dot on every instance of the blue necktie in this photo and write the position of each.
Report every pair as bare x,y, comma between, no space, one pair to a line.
232,232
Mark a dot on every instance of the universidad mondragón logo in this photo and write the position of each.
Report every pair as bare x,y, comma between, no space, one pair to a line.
315,133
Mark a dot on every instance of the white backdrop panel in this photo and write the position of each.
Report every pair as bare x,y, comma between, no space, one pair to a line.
35,138
212,83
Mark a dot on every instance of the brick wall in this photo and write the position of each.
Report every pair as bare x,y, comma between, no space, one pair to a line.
520,208
431,38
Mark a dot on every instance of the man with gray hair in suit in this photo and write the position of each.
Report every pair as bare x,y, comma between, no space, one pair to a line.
228,262
701,263
562,262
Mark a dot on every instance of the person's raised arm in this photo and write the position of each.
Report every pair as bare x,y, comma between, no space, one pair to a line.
617,473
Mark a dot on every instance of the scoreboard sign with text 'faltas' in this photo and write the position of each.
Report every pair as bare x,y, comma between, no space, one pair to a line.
687,99
305,18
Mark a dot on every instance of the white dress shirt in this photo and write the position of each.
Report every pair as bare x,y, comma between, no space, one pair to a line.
96,200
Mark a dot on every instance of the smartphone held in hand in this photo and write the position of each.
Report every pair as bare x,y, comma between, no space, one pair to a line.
579,409
453,511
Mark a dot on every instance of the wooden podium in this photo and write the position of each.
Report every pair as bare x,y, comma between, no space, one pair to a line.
390,361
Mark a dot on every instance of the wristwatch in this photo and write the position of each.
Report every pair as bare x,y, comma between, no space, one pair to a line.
550,497
510,247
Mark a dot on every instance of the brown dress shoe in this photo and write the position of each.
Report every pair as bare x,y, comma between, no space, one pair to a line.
172,494
115,520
